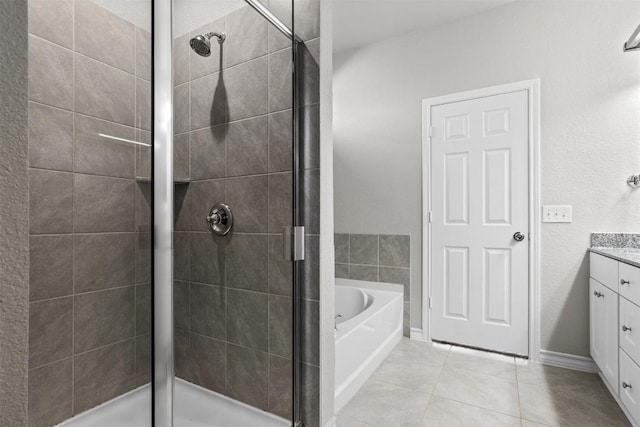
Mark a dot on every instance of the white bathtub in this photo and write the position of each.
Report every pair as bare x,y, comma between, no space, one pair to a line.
370,327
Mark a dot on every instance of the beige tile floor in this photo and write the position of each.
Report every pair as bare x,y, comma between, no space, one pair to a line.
422,385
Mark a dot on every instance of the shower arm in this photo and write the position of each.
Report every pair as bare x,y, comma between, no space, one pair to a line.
220,36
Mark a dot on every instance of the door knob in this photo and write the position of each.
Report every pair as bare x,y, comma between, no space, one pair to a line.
625,385
624,282
598,294
518,236
625,328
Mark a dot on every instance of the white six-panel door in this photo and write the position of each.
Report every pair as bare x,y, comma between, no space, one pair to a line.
479,201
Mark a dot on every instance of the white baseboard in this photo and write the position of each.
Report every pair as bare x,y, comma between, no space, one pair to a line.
331,422
568,361
416,334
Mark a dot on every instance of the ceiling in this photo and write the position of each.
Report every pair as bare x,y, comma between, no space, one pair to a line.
360,22
356,22
187,14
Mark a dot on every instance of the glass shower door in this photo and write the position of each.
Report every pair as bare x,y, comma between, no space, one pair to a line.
233,162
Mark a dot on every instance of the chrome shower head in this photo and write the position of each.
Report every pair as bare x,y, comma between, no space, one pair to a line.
201,44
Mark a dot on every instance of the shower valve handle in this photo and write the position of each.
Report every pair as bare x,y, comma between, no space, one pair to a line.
213,219
220,219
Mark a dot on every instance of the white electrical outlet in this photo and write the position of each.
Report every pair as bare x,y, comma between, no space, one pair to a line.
557,213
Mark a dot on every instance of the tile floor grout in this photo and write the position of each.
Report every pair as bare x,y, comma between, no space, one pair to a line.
413,365
424,413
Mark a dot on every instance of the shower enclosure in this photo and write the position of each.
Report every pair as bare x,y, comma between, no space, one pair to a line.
174,213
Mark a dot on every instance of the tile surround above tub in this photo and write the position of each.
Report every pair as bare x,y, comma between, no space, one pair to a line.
376,258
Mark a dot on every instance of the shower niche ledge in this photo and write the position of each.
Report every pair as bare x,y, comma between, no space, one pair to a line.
176,181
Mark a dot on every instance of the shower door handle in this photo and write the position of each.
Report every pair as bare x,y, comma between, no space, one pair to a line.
293,243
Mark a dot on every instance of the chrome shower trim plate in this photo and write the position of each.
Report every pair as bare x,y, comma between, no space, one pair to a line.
220,219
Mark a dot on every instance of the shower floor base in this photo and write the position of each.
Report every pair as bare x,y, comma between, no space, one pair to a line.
194,407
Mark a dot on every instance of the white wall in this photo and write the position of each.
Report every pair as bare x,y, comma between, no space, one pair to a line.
327,249
590,132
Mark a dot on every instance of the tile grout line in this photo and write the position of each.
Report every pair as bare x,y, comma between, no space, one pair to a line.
226,197
269,179
73,51
96,118
135,207
515,365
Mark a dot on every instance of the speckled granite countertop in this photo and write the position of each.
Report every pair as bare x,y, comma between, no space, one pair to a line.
629,256
623,247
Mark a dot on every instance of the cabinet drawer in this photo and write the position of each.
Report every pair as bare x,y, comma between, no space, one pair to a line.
629,329
630,385
604,270
629,282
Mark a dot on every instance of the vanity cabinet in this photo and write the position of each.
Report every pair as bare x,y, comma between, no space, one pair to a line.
614,320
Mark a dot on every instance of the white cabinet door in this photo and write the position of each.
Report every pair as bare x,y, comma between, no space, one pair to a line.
630,385
629,331
596,315
604,330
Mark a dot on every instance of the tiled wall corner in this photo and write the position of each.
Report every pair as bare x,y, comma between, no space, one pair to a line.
89,319
376,258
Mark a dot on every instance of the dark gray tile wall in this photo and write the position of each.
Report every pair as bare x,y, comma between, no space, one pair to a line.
376,258
232,295
89,320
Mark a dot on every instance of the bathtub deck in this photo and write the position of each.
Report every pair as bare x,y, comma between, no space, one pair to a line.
194,407
365,340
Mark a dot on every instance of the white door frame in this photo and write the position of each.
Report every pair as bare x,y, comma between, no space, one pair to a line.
533,90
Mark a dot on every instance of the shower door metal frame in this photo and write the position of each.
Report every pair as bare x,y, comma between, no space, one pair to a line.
297,221
162,236
163,216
